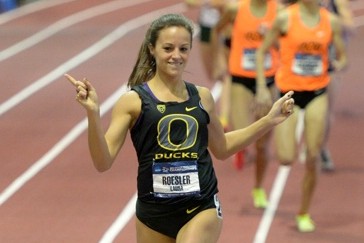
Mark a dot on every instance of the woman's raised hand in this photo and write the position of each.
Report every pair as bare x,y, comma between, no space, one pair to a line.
86,93
282,108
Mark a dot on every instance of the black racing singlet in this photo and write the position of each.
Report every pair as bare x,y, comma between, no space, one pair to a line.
171,139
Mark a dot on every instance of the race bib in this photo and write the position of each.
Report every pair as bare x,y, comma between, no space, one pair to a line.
175,179
248,60
307,65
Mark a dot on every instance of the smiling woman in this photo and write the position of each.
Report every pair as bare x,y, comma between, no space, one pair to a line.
173,126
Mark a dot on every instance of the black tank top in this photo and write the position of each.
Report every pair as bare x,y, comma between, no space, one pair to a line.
171,139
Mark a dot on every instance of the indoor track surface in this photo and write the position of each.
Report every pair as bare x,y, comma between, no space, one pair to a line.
49,189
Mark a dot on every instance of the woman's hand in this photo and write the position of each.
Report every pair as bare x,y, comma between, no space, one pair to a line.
86,93
282,108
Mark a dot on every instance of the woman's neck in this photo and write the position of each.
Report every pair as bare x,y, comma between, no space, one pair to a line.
310,12
309,7
258,7
168,89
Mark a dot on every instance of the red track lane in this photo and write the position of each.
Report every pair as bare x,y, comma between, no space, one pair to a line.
68,201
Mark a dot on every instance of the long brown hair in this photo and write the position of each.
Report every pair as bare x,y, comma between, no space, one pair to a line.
145,66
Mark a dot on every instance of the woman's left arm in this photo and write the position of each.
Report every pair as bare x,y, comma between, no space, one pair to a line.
345,15
223,145
341,56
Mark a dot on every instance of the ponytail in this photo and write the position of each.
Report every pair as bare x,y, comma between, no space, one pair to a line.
144,68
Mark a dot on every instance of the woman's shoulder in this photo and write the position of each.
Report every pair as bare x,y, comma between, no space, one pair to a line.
203,91
207,98
128,100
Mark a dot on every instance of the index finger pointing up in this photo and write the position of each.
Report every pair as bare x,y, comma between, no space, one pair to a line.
71,79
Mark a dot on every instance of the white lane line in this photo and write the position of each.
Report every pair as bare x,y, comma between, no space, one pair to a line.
75,61
42,162
277,189
121,221
29,9
65,23
275,196
48,157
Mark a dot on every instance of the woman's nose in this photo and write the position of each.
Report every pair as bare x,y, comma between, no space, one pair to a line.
176,54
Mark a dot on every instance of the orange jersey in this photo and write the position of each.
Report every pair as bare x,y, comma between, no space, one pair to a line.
304,53
246,38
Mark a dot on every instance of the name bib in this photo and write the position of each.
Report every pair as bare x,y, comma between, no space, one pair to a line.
248,60
173,179
307,65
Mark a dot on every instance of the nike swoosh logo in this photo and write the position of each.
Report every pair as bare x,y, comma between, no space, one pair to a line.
191,108
189,211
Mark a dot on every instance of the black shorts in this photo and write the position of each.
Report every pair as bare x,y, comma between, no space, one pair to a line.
303,98
169,219
205,34
250,83
227,42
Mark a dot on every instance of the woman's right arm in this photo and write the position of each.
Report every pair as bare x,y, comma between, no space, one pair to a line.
105,146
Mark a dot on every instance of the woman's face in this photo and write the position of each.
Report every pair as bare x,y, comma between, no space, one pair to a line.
171,51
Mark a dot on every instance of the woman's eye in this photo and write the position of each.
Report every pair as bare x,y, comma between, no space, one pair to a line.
170,49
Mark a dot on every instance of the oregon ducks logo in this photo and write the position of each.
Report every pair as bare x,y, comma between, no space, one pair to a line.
164,129
161,108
